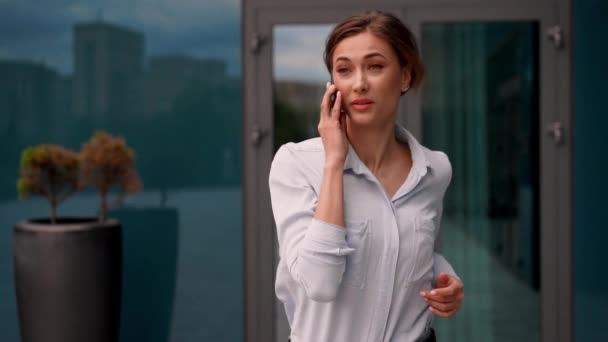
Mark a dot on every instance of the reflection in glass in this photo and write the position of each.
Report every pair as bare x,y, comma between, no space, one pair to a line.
300,76
159,78
590,163
480,106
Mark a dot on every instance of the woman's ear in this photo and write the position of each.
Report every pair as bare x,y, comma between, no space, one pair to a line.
405,79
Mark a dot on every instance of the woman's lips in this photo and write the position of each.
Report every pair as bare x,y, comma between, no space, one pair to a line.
362,107
361,104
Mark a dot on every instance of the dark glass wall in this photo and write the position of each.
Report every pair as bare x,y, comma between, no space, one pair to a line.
590,164
165,75
480,106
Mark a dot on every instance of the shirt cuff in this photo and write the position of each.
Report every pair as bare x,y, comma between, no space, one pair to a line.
330,235
327,232
441,265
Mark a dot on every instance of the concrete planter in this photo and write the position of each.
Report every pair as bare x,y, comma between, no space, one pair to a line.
68,279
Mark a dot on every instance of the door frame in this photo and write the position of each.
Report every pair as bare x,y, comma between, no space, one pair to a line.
555,105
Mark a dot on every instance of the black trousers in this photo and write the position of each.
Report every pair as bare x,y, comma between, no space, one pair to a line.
430,338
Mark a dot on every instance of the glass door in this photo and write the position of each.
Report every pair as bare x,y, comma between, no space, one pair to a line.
488,94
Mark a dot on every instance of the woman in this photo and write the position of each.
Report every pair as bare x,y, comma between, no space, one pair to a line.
358,209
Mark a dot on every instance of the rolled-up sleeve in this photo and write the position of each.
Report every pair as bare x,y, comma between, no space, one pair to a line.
441,265
314,251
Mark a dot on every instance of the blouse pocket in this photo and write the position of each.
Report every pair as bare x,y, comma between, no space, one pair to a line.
425,232
357,237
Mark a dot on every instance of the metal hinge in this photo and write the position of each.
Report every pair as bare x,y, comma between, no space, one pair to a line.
257,41
555,130
257,134
556,35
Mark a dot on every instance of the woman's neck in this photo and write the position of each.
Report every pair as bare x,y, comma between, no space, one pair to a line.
375,146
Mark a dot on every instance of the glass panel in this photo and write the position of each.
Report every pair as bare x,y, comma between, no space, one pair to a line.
480,106
299,78
590,162
158,74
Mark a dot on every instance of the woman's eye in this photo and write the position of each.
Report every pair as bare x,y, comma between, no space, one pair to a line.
342,70
376,66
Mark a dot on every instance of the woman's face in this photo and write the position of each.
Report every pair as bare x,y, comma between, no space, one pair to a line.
367,72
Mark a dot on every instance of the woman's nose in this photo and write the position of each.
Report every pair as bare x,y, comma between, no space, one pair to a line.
360,85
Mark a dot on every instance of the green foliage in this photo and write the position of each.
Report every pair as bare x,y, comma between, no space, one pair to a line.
49,171
55,173
108,162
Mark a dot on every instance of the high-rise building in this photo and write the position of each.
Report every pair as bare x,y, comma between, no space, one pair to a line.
108,68
28,104
169,76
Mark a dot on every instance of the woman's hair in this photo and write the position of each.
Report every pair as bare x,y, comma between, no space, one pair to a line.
387,27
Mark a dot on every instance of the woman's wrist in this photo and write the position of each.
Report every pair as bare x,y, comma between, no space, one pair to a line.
334,165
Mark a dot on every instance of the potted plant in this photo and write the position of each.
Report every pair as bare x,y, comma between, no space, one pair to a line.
108,162
49,171
68,270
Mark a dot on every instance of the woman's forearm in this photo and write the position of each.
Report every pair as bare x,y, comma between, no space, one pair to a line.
330,208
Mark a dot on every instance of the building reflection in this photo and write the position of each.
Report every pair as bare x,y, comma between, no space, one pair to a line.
181,115
108,68
189,102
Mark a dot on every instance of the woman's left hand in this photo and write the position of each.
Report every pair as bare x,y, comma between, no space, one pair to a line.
445,300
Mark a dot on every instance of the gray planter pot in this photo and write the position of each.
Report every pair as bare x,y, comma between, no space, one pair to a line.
68,280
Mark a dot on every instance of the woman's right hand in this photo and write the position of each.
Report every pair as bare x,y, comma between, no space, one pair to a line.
332,128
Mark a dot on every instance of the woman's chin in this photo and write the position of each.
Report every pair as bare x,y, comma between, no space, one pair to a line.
362,118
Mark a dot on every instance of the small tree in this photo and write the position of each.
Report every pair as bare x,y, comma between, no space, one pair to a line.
107,161
49,171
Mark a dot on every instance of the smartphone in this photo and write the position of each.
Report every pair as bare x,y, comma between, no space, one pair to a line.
332,98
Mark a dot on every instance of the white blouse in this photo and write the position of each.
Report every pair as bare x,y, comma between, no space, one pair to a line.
361,283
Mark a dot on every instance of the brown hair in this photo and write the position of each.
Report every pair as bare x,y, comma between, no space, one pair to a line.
385,26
